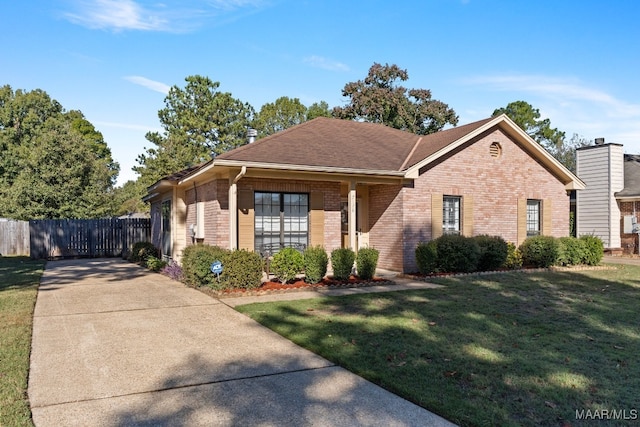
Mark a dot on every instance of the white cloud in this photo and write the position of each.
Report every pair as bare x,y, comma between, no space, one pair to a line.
325,63
570,104
145,15
149,84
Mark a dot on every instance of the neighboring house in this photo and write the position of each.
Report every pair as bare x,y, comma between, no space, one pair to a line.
610,205
339,183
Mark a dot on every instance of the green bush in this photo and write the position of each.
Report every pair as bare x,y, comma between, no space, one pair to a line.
342,263
457,254
540,251
196,264
493,252
571,251
366,262
241,270
593,249
427,257
315,264
140,251
155,264
286,264
514,257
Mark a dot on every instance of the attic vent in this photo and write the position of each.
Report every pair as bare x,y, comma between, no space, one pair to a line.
495,150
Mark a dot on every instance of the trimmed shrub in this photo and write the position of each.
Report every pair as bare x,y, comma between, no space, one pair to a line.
196,263
342,263
593,249
315,264
140,251
571,251
514,257
155,264
457,254
540,251
286,264
241,270
493,252
366,262
427,257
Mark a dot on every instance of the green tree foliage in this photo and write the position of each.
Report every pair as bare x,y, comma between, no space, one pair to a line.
540,130
53,164
528,118
199,122
318,109
275,116
128,198
380,99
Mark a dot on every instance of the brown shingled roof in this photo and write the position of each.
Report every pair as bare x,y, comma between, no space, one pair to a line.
335,143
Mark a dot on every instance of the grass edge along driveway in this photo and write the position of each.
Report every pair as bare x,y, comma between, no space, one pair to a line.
532,349
19,279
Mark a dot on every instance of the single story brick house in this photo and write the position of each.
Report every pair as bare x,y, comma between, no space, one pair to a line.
340,183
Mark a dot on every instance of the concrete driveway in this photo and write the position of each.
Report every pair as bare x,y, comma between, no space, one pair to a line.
116,345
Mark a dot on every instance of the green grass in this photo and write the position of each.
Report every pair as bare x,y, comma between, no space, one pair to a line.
19,278
508,349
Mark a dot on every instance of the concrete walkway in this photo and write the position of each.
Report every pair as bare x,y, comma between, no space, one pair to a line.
116,345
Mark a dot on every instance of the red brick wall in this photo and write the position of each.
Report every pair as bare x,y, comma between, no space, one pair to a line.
629,240
214,195
496,184
386,225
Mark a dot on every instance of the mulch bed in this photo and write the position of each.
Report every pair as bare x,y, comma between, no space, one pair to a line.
298,285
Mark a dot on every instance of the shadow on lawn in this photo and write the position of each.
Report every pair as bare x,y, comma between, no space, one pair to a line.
508,349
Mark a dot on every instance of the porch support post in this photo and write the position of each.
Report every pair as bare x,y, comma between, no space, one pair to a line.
233,208
352,215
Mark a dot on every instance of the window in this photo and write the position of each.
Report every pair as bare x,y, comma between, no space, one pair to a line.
533,218
281,220
451,215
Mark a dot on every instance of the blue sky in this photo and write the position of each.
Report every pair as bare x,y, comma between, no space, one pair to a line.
114,60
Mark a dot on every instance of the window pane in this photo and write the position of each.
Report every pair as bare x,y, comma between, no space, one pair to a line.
451,215
533,217
281,225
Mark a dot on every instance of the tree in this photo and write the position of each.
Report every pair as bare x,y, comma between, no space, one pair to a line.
53,164
199,122
279,115
318,109
379,99
128,198
528,118
565,152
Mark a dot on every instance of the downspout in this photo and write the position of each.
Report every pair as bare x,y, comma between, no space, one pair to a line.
233,209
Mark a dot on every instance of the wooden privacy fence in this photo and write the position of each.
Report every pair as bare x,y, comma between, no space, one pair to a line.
62,238
14,238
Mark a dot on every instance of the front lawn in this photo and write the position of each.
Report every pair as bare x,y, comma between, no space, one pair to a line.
507,349
19,278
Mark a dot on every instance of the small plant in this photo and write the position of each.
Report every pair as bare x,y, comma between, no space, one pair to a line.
173,271
196,264
141,251
540,251
493,252
155,264
315,264
366,262
593,249
342,263
286,264
427,257
457,253
571,251
241,270
514,257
